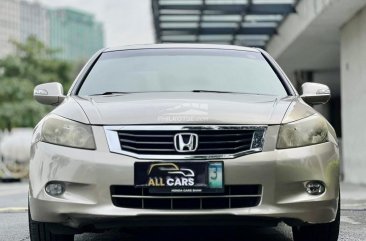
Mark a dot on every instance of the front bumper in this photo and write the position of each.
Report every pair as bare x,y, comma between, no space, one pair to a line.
89,175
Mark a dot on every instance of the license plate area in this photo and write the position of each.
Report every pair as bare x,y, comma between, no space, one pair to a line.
180,177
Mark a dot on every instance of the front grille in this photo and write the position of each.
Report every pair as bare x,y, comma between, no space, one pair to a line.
235,196
210,142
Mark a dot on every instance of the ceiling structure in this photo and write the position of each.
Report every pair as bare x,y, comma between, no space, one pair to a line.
240,22
312,37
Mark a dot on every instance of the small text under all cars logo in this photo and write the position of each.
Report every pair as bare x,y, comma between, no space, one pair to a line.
186,142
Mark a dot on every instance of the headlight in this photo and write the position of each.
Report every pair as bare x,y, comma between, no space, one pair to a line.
309,131
64,132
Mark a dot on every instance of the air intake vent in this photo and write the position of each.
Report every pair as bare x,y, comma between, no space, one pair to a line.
235,196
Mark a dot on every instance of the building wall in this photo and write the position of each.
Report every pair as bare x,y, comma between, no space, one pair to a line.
76,34
9,25
33,21
323,36
353,89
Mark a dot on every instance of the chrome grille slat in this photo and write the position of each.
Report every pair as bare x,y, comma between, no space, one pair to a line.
145,142
143,135
218,142
226,135
146,149
181,197
223,149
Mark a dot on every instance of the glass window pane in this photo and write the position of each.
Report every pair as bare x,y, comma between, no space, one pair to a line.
156,70
180,2
234,18
264,18
179,38
179,18
216,37
226,1
219,25
259,24
179,25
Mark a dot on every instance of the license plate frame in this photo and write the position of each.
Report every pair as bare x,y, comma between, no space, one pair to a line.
180,177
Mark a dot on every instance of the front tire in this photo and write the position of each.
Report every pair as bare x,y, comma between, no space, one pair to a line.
40,232
319,232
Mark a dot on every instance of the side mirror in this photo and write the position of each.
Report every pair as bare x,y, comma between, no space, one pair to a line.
49,93
314,93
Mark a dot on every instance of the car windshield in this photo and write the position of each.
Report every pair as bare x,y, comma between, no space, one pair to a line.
182,70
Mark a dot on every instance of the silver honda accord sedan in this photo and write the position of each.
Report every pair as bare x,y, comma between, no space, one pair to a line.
178,134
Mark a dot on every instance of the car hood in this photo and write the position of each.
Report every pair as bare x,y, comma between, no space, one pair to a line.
176,108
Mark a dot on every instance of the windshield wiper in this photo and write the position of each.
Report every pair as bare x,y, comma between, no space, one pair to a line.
194,91
111,93
212,91
224,92
220,92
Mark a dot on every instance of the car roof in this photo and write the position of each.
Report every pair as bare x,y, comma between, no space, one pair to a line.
180,46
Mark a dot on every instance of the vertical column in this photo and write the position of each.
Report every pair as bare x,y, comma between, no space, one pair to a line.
353,90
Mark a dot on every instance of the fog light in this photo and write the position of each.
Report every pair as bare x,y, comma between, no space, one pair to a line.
315,188
55,189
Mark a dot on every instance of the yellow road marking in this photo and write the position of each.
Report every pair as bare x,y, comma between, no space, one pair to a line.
13,210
